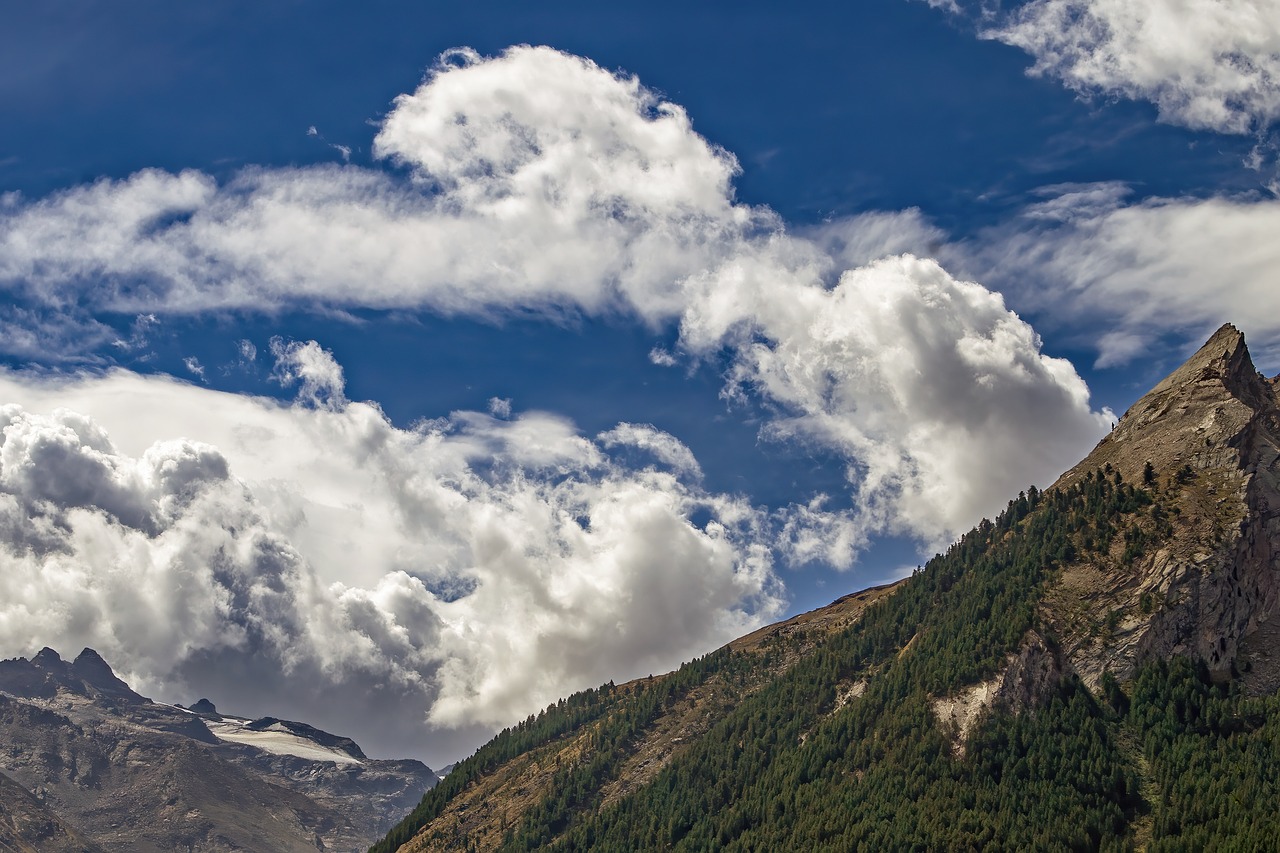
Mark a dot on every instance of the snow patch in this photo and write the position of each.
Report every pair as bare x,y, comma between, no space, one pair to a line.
277,740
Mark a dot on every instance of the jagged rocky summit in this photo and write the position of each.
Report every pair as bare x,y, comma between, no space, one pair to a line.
90,765
1205,580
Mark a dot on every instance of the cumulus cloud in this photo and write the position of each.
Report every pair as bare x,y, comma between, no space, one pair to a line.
313,368
538,181
1205,64
935,392
1139,271
314,560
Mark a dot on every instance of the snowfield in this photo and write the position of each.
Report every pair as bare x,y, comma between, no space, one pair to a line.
278,740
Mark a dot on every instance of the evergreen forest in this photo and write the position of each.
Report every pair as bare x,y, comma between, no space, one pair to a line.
1166,761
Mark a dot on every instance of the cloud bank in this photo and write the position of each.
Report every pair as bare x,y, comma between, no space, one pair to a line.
537,181
1205,64
313,560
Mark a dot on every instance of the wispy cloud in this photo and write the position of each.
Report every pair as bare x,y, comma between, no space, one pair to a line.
1136,272
1205,64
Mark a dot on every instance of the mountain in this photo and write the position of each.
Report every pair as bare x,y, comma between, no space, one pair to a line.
90,765
1200,578
27,826
1096,668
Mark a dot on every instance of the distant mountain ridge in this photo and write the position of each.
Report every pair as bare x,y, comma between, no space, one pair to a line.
88,675
1096,668
91,765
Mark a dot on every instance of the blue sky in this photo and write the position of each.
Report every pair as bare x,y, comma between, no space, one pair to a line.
408,362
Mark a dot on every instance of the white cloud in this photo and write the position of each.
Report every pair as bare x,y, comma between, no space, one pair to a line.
935,392
1205,64
316,561
662,357
856,241
542,132
663,446
500,407
1141,271
810,533
247,351
1070,202
540,180
49,334
139,333
313,368
537,180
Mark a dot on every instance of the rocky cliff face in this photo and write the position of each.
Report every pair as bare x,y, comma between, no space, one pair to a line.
83,750
1200,573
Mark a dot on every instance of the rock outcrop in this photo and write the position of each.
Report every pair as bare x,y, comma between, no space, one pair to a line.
1200,574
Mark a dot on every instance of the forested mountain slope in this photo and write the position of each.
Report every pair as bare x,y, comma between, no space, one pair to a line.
1093,669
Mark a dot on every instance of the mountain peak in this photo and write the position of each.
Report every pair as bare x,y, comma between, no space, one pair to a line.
1199,576
47,672
1224,359
89,657
97,673
46,658
1227,335
1200,416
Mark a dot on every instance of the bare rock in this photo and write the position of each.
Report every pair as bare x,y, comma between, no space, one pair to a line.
1207,441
